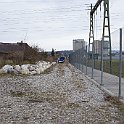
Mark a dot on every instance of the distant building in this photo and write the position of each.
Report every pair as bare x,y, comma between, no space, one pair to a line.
78,44
97,45
19,50
65,52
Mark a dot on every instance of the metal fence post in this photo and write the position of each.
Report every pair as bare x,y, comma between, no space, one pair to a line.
102,61
86,59
75,59
92,59
80,59
120,63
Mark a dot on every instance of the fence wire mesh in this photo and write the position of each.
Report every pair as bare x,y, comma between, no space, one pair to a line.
90,64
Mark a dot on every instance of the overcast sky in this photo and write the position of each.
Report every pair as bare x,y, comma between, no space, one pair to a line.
53,23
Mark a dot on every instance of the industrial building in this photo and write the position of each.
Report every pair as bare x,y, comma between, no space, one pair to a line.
97,46
78,44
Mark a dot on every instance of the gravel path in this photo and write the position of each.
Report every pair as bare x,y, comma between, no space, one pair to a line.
60,96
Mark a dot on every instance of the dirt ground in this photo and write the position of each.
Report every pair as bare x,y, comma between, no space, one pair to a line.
61,95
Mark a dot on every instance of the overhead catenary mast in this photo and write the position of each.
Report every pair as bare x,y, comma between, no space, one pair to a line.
106,37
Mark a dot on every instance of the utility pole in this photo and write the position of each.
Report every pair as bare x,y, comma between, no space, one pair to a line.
91,37
106,36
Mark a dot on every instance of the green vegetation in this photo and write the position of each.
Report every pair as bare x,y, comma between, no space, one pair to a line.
106,66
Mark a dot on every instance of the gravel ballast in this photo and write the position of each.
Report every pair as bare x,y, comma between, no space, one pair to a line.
63,95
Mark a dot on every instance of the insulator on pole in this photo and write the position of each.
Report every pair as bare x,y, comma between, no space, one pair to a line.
100,10
100,7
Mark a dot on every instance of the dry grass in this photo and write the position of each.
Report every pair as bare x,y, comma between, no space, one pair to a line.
79,85
120,105
54,98
113,99
49,70
17,93
49,96
72,105
4,62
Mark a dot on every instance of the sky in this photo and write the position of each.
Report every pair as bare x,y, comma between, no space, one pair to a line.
53,23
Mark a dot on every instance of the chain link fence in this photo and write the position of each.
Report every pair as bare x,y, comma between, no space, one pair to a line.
113,69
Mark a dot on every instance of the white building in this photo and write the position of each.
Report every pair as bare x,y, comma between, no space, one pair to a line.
97,45
78,44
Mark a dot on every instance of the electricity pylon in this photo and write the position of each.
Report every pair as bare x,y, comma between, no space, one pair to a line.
106,36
